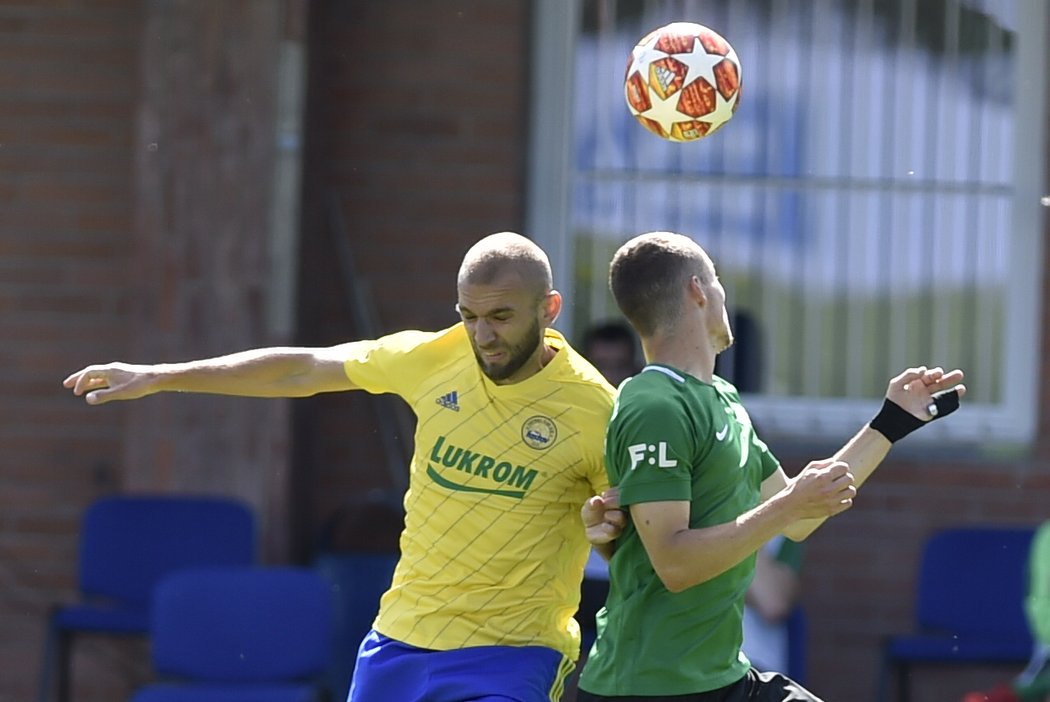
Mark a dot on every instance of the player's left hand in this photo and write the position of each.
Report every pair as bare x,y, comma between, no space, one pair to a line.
602,517
914,389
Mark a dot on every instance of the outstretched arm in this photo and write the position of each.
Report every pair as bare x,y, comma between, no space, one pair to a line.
268,372
910,404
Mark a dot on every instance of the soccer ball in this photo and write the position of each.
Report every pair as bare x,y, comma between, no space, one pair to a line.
683,81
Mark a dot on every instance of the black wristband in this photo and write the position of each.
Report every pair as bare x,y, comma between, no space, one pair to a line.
894,422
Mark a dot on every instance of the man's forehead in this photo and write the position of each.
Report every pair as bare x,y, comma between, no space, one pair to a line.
482,298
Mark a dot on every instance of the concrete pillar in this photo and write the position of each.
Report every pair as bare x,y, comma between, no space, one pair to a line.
215,209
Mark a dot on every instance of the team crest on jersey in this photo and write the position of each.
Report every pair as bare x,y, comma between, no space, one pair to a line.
539,432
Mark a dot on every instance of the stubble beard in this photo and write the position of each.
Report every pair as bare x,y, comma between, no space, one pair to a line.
722,339
519,354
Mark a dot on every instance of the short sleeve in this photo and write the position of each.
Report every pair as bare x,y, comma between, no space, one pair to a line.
768,460
390,364
649,450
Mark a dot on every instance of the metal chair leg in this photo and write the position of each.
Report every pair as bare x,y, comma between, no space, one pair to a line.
882,685
903,688
64,664
47,665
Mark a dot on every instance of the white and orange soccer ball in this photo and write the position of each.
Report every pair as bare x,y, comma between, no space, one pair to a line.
683,81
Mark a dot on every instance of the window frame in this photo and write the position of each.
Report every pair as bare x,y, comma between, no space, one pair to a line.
1009,425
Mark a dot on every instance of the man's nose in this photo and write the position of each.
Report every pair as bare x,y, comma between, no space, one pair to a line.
483,333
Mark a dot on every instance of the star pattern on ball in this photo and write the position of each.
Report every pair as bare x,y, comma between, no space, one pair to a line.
699,63
722,112
665,112
643,55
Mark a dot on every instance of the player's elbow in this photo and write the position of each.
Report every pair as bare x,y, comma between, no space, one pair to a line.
673,584
673,577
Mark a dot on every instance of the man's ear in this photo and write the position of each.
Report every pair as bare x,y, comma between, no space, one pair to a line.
551,307
696,291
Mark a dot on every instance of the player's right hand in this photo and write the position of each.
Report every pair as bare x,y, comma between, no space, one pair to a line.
112,381
822,489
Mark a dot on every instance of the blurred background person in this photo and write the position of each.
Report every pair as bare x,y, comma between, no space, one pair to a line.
771,597
1033,683
613,349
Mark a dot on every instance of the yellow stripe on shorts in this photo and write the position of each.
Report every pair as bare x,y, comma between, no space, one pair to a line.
565,669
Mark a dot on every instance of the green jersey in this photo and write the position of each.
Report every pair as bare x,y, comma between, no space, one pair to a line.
673,437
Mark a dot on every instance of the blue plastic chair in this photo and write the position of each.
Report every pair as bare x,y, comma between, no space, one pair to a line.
127,544
969,605
356,553
357,582
248,634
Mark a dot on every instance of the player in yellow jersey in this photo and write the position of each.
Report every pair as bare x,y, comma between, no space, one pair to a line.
508,457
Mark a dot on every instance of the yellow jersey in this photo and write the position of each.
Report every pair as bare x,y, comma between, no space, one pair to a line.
493,547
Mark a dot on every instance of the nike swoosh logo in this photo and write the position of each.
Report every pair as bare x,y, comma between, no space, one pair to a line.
722,433
446,483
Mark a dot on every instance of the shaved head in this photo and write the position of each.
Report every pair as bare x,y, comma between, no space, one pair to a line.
498,255
506,301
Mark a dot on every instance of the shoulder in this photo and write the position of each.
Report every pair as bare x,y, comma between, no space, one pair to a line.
662,396
661,385
409,352
415,343
725,387
582,377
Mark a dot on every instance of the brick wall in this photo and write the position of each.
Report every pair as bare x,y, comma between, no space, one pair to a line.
860,568
69,86
418,128
136,163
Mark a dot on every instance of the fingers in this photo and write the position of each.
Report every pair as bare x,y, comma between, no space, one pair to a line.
99,397
843,486
597,511
933,378
839,471
96,386
611,497
77,381
831,487
616,517
90,378
591,512
829,466
602,533
841,507
946,381
842,494
908,376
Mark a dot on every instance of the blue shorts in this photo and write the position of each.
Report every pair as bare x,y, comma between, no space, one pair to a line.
390,670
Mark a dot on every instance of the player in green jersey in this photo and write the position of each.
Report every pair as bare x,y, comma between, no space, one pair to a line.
704,493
